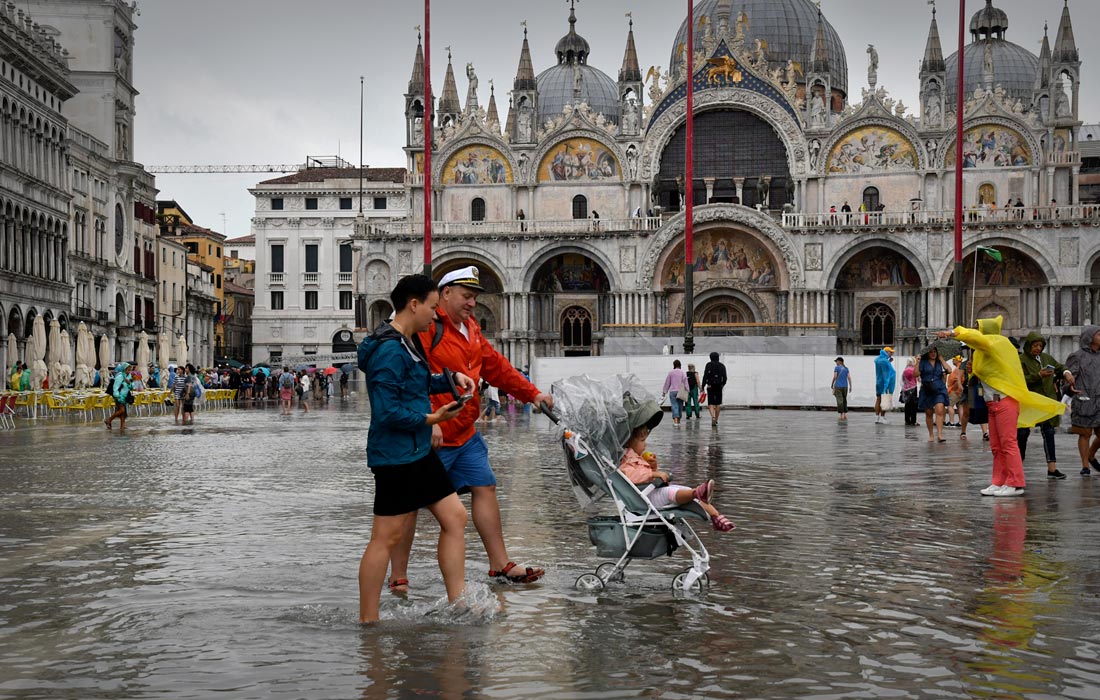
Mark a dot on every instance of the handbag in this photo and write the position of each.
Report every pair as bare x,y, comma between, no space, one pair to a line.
130,398
703,397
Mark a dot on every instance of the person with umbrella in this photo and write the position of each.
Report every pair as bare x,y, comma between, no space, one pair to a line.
996,364
932,398
123,392
885,378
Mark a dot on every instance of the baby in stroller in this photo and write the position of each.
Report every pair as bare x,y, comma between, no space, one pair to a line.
640,466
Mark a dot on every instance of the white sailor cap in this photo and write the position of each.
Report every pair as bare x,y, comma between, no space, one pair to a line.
466,276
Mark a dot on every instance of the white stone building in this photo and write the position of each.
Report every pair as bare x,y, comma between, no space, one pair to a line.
35,82
113,214
202,302
305,260
783,139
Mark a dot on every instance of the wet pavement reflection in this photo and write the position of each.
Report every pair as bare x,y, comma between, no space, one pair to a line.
220,560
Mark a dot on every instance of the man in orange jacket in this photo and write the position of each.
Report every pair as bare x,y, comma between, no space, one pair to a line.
455,341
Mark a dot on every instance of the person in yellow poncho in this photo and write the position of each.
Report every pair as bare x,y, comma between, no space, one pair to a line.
996,364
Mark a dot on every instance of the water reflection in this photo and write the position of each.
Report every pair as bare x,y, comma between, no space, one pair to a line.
221,560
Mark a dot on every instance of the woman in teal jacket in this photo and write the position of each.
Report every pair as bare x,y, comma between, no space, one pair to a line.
408,475
122,390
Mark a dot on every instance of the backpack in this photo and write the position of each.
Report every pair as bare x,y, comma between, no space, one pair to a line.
286,381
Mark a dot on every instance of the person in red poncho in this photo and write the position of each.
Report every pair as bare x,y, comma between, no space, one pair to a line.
455,341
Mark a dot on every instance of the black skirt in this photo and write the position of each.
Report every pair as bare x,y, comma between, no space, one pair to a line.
404,488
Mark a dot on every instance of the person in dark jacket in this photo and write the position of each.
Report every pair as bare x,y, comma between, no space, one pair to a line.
1040,371
714,379
408,475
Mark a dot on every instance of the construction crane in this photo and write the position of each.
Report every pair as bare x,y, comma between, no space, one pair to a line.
311,162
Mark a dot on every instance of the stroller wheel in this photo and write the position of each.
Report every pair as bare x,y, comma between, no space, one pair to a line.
696,587
588,582
604,571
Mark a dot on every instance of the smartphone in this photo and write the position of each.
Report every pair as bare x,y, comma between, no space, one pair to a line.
462,400
1050,367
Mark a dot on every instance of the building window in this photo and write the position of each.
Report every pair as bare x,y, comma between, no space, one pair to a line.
311,202
477,209
871,199
277,258
877,326
209,249
311,301
192,248
218,281
345,258
311,258
379,202
276,203
580,207
576,331
218,251
345,202
345,301
275,357
276,301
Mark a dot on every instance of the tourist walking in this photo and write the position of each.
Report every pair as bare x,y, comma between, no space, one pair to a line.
1010,404
841,384
955,376
286,389
714,380
303,395
1084,365
676,387
885,381
933,392
1040,371
693,393
908,396
192,390
455,340
343,386
123,392
492,397
408,474
179,383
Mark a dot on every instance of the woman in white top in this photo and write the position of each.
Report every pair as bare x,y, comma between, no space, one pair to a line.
305,382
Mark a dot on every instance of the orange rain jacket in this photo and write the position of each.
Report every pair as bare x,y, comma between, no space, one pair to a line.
477,359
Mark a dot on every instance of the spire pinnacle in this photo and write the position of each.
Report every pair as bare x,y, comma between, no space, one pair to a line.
933,52
448,103
525,74
1065,48
492,116
819,54
631,71
416,82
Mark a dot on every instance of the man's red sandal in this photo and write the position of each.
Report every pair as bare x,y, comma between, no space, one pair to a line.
529,576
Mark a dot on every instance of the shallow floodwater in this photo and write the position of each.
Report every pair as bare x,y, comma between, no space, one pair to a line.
220,561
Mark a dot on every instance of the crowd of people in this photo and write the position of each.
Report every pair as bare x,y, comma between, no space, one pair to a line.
1004,386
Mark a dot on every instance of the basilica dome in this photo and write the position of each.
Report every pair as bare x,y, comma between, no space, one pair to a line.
1014,67
573,81
788,26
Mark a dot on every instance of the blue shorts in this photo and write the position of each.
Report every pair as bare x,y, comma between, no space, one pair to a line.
468,465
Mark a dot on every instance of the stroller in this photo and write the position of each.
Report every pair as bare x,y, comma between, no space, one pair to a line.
594,427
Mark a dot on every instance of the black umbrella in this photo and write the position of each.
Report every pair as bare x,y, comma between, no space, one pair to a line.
946,347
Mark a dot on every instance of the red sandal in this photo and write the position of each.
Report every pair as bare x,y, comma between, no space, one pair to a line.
397,584
721,523
528,576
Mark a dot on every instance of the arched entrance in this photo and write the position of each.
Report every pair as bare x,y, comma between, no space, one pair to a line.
730,145
343,341
878,302
724,310
1012,281
573,282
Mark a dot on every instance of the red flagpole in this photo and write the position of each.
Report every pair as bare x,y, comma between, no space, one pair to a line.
428,138
689,191
959,105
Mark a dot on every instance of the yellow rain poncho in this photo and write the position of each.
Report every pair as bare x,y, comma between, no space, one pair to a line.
997,364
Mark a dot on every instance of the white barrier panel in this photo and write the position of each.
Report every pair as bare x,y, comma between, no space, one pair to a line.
757,381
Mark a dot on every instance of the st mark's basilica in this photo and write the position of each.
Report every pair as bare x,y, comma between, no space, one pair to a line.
823,205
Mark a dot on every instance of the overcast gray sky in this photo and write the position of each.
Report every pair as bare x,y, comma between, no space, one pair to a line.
270,81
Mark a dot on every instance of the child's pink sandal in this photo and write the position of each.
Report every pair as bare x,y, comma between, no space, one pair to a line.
722,523
704,491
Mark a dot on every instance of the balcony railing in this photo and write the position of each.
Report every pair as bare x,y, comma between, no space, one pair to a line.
497,228
976,217
344,278
177,307
83,312
311,277
1064,158
275,277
